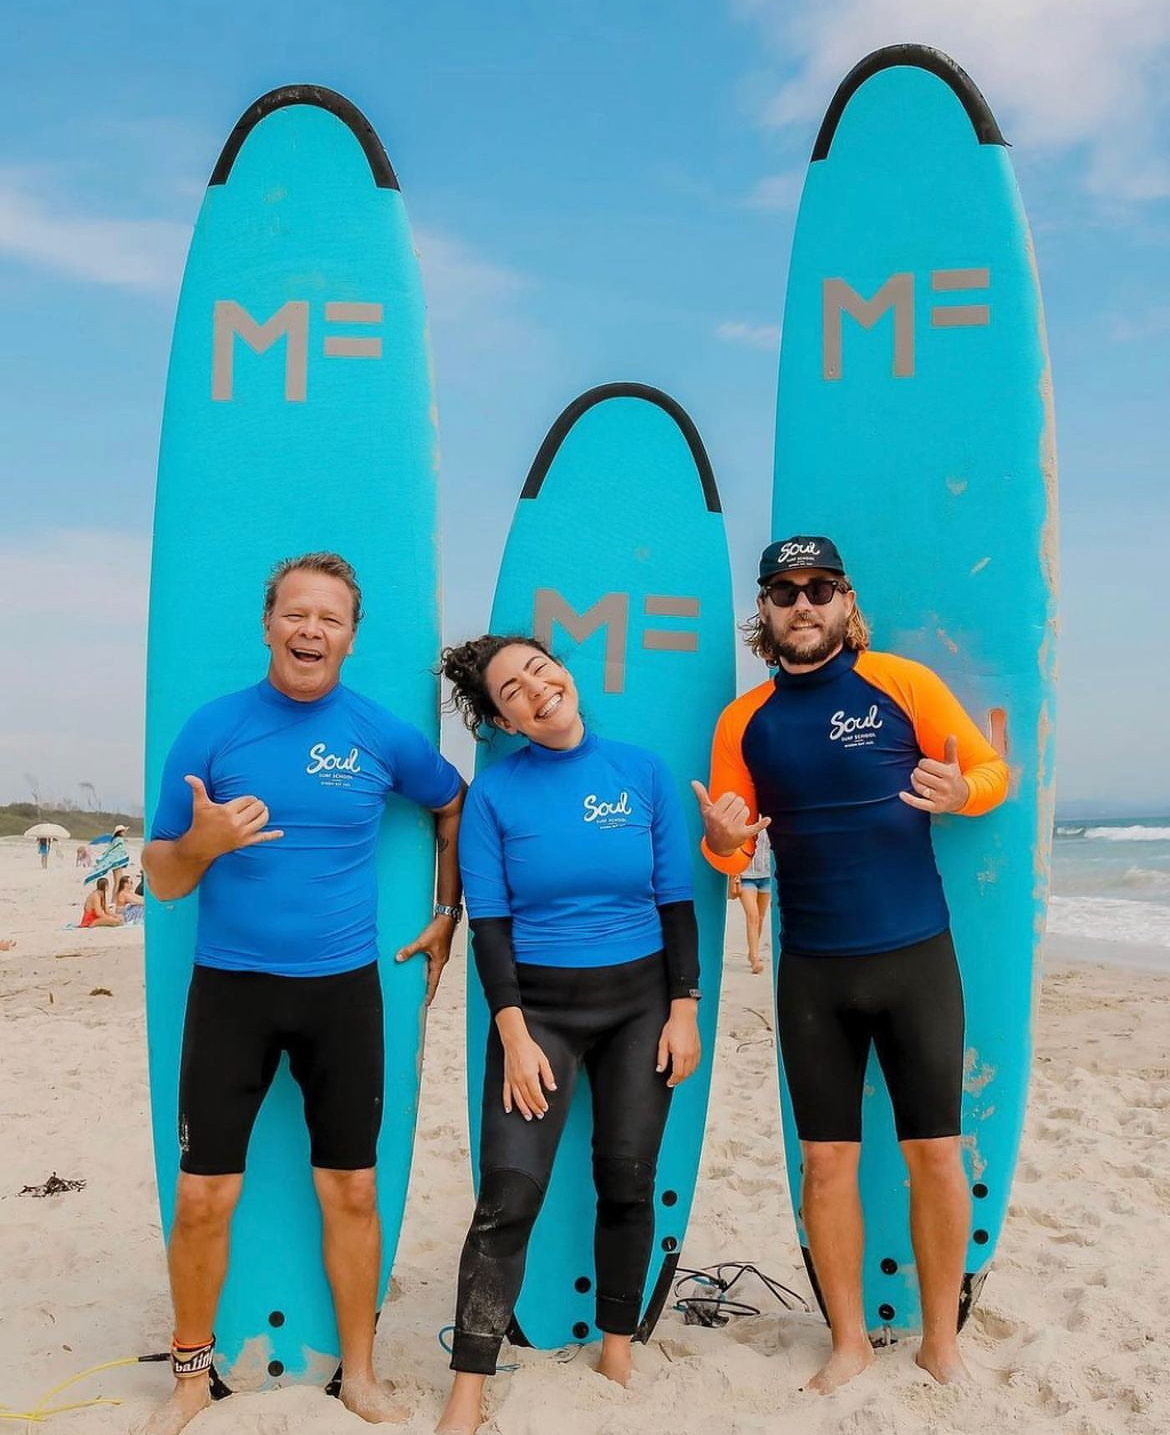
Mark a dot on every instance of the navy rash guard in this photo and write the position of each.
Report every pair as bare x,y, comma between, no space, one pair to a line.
825,754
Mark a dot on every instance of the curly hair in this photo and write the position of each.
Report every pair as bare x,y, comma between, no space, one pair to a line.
333,565
759,640
464,666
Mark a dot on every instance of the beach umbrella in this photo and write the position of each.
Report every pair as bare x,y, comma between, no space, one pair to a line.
48,829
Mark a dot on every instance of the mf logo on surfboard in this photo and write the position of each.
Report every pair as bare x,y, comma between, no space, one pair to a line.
897,293
613,614
231,321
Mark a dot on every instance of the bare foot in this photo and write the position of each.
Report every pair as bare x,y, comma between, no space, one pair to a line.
373,1400
461,1417
616,1361
187,1400
6,944
945,1365
757,968
840,1367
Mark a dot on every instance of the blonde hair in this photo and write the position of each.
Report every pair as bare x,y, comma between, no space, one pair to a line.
333,565
759,639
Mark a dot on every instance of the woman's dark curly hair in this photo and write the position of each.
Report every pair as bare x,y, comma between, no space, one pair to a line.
464,665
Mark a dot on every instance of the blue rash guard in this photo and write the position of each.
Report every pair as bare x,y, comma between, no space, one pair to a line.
304,905
579,848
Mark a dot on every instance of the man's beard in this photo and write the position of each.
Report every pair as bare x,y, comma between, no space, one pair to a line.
803,653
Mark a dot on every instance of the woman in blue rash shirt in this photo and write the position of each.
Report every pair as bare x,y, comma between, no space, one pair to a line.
577,876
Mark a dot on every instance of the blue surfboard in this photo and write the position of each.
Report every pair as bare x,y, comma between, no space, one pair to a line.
299,415
915,427
617,558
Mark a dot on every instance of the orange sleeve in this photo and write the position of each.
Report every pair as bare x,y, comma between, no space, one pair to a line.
729,772
936,715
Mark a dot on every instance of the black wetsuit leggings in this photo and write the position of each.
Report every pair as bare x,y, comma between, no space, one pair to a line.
609,1019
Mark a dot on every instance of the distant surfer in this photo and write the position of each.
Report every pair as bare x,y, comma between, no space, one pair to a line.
286,952
844,756
577,869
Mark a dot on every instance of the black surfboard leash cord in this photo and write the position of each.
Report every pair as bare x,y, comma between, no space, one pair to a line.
712,1304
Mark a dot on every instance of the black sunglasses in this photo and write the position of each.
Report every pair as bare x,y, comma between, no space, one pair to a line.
818,591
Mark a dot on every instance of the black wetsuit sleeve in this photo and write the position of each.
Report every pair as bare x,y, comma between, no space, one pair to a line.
680,944
495,960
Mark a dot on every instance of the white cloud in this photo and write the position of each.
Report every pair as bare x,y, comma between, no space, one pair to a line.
1154,322
1061,75
754,336
776,193
72,703
131,253
458,280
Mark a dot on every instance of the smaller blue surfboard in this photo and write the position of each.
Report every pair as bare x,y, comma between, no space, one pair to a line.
617,558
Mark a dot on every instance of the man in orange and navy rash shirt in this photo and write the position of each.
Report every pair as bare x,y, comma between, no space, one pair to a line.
844,756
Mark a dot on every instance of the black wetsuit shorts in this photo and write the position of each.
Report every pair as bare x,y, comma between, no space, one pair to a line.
908,1003
239,1023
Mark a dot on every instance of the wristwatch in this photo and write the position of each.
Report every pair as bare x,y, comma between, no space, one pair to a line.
455,913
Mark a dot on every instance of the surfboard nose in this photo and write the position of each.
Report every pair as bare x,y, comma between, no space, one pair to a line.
942,93
311,96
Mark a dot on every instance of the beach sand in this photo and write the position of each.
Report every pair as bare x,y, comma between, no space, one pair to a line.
1066,1338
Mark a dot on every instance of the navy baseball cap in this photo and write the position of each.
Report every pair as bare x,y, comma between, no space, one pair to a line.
787,555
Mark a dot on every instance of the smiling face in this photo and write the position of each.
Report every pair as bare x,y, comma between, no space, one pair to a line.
807,635
309,633
534,696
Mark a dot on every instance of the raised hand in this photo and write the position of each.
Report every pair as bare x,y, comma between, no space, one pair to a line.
727,822
219,827
938,786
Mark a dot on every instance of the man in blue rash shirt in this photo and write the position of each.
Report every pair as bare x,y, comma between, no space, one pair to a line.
286,951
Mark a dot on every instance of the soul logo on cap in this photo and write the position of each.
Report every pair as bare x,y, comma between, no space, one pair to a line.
788,551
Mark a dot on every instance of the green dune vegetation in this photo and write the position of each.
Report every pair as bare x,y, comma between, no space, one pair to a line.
18,817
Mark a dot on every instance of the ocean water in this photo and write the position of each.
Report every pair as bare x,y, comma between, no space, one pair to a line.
1111,882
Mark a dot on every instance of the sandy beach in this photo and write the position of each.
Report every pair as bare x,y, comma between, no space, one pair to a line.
1067,1337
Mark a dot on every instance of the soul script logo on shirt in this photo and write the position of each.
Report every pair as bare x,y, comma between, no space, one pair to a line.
337,771
855,731
608,814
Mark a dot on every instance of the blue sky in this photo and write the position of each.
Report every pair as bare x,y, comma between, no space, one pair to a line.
599,190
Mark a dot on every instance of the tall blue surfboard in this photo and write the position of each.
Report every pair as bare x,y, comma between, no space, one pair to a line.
915,427
299,415
617,558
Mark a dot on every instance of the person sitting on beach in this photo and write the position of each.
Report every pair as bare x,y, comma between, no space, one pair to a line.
96,911
84,856
127,903
578,878
286,953
847,754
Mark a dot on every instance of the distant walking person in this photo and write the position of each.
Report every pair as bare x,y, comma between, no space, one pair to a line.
753,887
